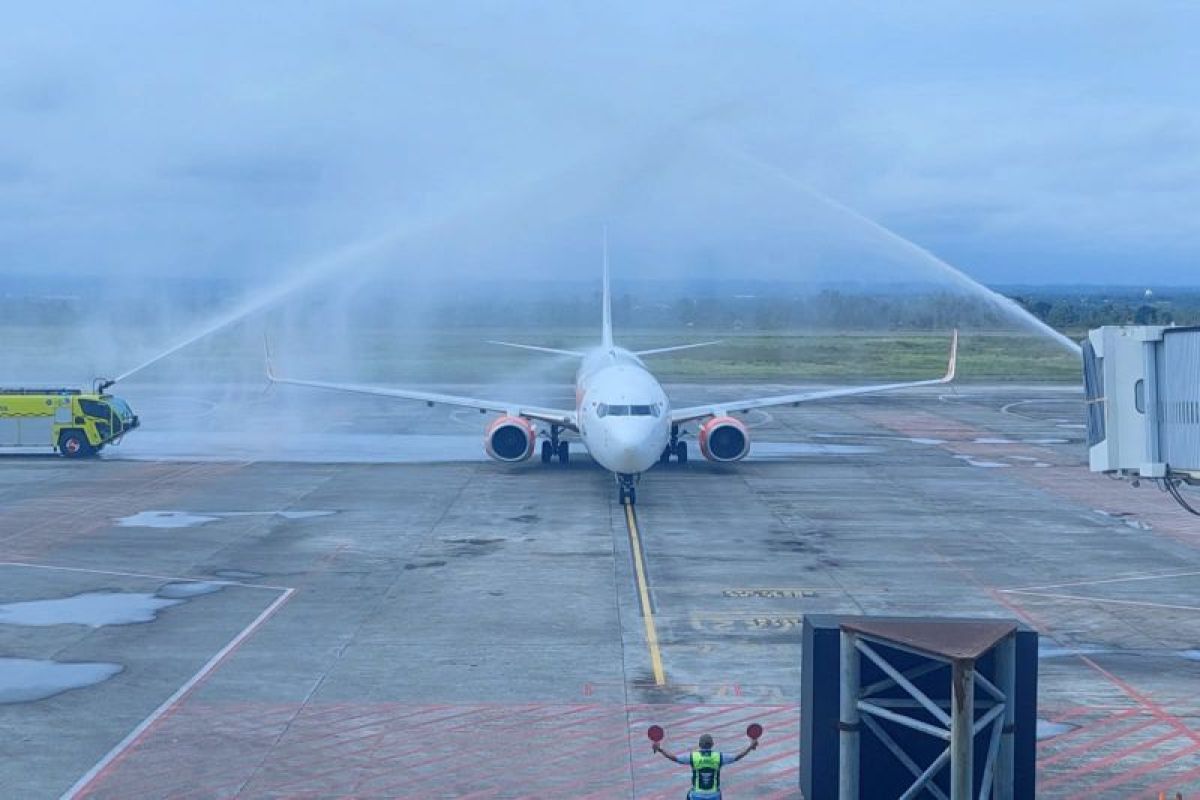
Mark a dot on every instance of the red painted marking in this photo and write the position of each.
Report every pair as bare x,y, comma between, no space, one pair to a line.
1134,773
1154,708
340,750
1111,758
1092,744
1129,691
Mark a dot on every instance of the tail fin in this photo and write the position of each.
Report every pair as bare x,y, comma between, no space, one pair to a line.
606,337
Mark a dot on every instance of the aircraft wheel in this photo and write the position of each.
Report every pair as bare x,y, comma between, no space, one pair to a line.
681,452
547,452
564,452
631,496
665,458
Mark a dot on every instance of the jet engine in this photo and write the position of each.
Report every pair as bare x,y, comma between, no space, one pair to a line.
510,439
724,439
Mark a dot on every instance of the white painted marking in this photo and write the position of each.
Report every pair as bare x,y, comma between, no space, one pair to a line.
132,737
190,519
138,575
1128,578
1140,603
984,464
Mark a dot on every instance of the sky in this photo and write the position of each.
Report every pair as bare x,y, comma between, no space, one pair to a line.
1021,142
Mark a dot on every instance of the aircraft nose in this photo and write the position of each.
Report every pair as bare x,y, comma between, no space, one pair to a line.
628,451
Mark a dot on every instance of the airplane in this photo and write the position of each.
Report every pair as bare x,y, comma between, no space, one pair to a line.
622,415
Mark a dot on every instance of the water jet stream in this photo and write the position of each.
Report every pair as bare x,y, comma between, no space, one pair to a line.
1005,305
327,265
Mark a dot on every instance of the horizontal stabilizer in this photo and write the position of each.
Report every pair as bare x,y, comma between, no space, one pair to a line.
538,349
676,347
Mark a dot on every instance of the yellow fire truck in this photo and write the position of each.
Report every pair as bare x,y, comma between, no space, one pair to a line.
73,422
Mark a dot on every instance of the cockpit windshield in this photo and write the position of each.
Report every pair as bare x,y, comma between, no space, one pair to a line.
122,408
650,410
94,408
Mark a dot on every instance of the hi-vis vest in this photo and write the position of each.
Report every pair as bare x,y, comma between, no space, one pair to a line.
706,771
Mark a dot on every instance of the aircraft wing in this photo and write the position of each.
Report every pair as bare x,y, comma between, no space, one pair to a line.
551,415
720,409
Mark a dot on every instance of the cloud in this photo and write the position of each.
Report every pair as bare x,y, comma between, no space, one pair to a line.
156,138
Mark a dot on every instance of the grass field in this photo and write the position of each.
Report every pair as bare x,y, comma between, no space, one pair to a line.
464,355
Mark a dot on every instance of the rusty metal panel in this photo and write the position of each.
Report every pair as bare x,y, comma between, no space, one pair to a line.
951,639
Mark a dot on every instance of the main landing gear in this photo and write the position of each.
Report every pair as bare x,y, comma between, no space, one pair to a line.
676,447
555,446
626,491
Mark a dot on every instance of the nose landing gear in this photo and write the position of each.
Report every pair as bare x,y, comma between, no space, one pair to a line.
626,489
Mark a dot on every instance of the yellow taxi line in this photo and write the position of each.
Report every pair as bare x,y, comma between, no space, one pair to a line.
639,569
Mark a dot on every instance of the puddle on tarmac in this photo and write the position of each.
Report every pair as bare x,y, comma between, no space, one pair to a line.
1053,650
97,609
772,451
94,609
238,575
1003,440
164,519
984,464
191,519
1126,517
913,439
184,590
24,680
315,448
1047,729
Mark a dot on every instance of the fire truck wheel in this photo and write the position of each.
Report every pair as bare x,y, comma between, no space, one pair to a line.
73,444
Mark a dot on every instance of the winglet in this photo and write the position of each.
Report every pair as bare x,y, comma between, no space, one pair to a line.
952,367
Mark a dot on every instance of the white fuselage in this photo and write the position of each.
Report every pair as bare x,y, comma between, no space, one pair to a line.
624,415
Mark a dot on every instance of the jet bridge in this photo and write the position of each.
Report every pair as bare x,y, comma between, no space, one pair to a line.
1142,384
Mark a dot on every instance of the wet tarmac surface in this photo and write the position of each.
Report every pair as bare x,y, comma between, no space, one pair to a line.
327,618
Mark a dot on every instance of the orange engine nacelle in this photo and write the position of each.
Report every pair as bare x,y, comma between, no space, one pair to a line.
510,439
724,439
